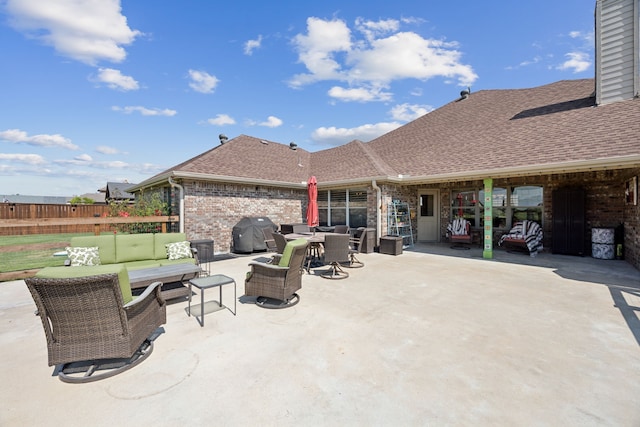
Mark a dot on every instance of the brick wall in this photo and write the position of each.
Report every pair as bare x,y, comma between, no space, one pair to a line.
605,203
212,209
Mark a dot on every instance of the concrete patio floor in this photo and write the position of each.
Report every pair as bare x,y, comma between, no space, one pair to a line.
434,336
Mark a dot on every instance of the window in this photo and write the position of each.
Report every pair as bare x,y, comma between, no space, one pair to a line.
527,203
357,208
336,207
426,205
463,205
509,205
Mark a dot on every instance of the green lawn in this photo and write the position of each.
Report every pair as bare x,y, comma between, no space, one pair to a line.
25,257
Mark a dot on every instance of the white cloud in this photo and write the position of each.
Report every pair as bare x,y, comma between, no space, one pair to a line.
251,45
408,112
334,136
145,111
116,164
586,37
221,119
31,159
373,29
202,81
576,62
103,149
19,136
408,55
116,80
330,51
271,122
87,31
360,94
84,158
317,49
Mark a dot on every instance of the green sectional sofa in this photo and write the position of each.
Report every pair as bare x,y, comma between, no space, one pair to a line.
121,253
134,250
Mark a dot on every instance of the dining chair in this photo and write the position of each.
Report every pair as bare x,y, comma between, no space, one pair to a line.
355,247
341,229
336,251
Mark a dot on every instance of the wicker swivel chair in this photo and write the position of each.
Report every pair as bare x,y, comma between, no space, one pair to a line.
91,334
268,239
336,250
275,284
355,245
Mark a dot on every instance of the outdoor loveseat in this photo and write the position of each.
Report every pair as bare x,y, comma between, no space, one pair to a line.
524,236
131,251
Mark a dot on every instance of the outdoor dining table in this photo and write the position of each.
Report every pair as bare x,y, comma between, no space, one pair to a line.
315,239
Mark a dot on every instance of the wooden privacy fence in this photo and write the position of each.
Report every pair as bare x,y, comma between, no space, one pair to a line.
25,219
97,223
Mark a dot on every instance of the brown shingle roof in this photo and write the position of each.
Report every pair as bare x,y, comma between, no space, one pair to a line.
491,133
523,128
351,161
250,158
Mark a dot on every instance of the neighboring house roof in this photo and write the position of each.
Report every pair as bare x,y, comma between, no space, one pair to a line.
47,200
119,191
492,133
96,197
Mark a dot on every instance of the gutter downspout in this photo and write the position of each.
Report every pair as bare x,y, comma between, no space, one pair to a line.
378,211
181,209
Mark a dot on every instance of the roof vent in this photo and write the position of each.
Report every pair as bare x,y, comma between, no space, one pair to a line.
262,141
293,145
465,93
223,138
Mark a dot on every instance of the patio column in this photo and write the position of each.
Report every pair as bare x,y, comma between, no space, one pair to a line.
488,219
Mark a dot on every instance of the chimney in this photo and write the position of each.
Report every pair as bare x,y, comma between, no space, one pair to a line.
617,50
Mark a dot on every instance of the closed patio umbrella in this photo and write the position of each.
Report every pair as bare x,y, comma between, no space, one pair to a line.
313,219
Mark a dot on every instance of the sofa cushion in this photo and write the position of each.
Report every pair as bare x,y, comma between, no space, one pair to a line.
134,247
162,239
179,250
66,272
80,255
106,244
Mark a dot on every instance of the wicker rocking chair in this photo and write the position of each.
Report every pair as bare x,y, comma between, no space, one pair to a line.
91,334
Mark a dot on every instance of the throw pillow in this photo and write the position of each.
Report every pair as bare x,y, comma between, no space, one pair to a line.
179,250
83,256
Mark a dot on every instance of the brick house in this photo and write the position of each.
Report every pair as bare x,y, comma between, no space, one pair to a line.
527,149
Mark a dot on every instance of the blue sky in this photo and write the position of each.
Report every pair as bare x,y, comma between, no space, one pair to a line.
106,90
